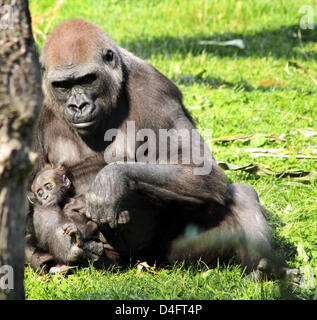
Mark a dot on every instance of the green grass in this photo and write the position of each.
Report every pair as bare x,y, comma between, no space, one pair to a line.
174,283
230,91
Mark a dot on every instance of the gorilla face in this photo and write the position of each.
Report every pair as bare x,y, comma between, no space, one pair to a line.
77,95
49,187
82,79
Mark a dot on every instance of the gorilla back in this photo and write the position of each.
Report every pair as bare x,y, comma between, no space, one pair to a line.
91,86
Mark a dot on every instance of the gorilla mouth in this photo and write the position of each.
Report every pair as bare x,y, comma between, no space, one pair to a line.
81,125
88,119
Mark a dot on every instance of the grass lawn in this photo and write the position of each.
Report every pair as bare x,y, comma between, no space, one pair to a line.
230,91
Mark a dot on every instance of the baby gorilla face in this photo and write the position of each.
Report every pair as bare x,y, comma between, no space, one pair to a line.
50,187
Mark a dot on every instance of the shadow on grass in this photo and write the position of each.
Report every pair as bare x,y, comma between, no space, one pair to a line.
217,83
284,42
211,82
242,85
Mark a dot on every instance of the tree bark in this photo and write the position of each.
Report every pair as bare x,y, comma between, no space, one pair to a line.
20,99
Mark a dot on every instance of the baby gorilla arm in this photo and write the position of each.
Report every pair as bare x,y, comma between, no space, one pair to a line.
75,211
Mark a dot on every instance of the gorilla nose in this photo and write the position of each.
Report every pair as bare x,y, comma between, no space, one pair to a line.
78,107
79,110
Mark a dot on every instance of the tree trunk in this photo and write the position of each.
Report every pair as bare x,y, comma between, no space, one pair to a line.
20,99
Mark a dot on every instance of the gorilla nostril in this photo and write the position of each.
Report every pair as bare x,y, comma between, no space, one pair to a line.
78,107
73,108
83,105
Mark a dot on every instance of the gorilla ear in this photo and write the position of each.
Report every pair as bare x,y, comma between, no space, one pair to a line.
66,181
31,197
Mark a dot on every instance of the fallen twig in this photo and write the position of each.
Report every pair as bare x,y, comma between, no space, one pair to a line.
248,137
260,169
300,69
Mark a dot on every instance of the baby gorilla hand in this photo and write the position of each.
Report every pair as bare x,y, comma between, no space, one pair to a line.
71,230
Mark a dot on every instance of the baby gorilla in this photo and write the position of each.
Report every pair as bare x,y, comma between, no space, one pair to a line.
59,223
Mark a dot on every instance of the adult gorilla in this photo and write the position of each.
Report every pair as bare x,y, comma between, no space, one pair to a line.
154,211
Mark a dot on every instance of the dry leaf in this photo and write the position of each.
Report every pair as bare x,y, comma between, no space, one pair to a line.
235,42
142,265
244,138
277,153
61,269
263,150
271,83
254,168
300,69
304,117
298,174
260,169
282,155
307,133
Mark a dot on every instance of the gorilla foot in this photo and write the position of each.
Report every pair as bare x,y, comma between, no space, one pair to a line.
266,268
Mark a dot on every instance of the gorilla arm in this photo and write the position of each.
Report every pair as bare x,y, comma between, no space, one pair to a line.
164,183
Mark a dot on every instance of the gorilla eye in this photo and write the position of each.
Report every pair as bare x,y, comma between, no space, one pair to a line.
87,79
49,186
62,84
108,57
40,193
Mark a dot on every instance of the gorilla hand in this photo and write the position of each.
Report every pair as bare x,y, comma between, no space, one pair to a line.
106,195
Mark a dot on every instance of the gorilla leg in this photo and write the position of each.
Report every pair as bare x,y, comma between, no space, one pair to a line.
37,258
243,232
255,248
257,254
